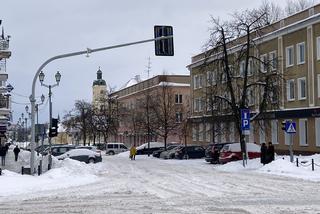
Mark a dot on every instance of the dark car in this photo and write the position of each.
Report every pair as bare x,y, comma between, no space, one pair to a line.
83,155
59,150
190,152
213,151
143,149
158,152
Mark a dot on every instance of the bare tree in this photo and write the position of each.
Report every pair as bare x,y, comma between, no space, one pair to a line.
243,78
78,118
294,6
165,112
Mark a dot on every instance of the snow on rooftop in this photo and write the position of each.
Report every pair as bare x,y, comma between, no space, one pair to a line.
173,84
132,81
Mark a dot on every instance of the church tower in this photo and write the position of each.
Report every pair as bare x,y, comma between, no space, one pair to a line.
99,89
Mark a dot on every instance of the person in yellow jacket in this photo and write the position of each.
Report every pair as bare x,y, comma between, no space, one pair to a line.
133,152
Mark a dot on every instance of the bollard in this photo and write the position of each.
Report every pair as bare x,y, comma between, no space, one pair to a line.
0,171
312,163
22,169
39,172
297,161
49,166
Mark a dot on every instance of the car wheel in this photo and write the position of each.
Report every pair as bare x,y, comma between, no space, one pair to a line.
91,160
111,153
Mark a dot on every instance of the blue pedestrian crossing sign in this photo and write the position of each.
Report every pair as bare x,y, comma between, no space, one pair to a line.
245,119
291,127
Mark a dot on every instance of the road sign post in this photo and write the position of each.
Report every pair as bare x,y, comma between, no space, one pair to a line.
245,128
290,129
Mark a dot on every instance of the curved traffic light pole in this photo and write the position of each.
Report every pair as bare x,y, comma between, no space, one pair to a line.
32,96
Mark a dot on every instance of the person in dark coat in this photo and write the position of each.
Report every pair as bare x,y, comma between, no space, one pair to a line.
215,156
270,153
16,151
3,152
263,154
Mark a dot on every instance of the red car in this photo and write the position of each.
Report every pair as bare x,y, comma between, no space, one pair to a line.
232,152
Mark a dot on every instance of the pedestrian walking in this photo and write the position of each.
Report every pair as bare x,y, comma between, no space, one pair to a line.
270,153
3,152
133,152
263,154
16,151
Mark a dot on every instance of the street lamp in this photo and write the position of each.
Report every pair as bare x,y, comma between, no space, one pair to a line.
37,110
41,78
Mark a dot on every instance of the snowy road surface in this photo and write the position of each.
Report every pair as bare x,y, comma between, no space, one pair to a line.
150,185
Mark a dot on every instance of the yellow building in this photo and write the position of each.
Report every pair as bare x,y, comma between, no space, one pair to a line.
293,44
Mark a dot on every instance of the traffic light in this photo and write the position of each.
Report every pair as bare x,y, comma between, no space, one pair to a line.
283,125
163,47
53,131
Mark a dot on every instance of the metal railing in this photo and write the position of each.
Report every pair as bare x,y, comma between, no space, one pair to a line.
306,163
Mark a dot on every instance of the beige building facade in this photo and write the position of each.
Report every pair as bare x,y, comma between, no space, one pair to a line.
131,102
293,44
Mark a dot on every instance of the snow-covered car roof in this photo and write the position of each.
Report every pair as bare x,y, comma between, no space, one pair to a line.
78,152
152,145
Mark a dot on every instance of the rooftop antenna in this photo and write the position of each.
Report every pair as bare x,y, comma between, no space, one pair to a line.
149,66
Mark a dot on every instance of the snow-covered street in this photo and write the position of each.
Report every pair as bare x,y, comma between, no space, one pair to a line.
150,185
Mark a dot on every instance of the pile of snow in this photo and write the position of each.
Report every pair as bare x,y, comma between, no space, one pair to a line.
281,166
66,173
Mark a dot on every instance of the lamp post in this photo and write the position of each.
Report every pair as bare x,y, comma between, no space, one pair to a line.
41,78
37,110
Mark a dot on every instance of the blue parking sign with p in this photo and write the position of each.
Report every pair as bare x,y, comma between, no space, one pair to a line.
245,119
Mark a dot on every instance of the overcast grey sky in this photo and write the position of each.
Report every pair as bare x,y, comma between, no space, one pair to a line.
41,29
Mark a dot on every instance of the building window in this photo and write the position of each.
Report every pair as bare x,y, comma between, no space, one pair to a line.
194,132
317,121
264,63
250,97
250,67
196,105
274,131
242,68
290,90
319,85
178,98
289,56
208,132
200,132
300,53
303,132
178,117
318,47
273,60
196,81
302,88
211,80
262,134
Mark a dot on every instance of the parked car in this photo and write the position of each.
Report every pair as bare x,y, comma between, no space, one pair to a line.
189,151
232,152
83,155
115,148
159,151
59,150
169,154
143,149
212,152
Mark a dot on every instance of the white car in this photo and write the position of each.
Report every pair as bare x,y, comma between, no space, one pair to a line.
84,155
113,148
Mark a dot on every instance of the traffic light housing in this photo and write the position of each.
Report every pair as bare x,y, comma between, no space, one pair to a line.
53,131
283,125
163,47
